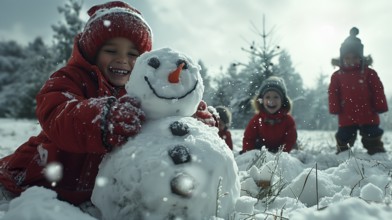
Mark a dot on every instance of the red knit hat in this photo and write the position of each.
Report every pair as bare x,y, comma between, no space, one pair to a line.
114,19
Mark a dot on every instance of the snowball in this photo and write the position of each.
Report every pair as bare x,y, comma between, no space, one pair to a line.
371,192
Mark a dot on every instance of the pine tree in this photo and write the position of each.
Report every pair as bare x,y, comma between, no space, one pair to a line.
227,86
12,57
314,111
259,68
294,82
39,66
27,68
65,32
33,72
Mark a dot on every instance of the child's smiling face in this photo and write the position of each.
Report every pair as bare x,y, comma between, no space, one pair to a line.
351,60
272,101
116,59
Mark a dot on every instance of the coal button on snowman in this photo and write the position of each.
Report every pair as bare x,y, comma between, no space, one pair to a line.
179,129
180,154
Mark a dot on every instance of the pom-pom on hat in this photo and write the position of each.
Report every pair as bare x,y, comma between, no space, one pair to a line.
110,20
352,44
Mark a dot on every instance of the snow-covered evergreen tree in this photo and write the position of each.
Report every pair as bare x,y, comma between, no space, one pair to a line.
226,87
313,111
38,68
34,69
12,56
65,32
25,69
259,68
294,82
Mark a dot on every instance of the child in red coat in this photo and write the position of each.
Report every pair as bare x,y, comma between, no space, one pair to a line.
224,123
83,108
356,95
272,126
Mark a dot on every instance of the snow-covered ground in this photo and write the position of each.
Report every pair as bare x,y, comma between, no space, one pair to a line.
311,183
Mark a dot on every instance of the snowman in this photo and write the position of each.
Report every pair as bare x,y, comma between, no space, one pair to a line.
176,167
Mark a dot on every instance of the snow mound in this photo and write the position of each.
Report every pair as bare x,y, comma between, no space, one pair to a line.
41,203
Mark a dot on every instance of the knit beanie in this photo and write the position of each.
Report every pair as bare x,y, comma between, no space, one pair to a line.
224,114
274,83
110,20
352,44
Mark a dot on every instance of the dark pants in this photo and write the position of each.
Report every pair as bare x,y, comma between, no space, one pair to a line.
371,138
348,134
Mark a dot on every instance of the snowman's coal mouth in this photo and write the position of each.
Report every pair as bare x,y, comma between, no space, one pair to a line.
163,97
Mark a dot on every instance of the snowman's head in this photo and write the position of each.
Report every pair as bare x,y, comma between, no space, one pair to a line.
167,82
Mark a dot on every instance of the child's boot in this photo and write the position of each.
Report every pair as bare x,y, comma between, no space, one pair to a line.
373,145
344,145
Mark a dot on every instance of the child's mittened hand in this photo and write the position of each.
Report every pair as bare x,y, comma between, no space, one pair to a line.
123,120
202,114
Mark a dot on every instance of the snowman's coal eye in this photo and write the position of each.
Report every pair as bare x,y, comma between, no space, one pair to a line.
154,63
182,61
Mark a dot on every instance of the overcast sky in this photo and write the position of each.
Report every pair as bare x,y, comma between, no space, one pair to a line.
216,30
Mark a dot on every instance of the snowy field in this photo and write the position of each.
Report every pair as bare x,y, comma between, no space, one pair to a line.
311,183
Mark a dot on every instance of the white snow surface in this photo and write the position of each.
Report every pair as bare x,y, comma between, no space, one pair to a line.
38,203
346,181
191,174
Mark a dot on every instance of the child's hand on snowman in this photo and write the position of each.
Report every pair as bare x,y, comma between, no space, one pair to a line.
205,114
123,120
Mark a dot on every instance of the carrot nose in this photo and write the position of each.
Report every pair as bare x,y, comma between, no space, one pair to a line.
174,76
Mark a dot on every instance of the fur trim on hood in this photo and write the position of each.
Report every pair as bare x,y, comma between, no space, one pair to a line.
368,61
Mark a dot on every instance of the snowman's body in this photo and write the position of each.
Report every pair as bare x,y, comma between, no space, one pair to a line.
177,167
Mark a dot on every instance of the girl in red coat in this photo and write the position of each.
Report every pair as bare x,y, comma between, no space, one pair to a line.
356,95
223,125
83,108
272,126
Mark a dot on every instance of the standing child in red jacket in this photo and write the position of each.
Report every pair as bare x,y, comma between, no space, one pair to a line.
272,126
224,123
356,95
83,108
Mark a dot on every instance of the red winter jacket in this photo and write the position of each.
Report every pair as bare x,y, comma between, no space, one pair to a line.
226,136
70,135
273,130
356,97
